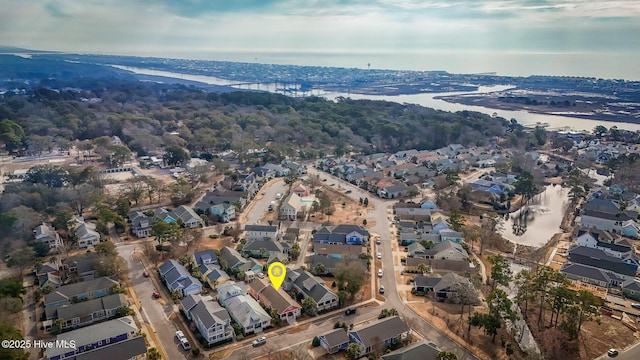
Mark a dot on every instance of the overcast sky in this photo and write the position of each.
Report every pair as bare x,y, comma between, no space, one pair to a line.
202,28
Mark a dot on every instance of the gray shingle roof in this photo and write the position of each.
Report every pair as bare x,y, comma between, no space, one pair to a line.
205,257
246,311
416,351
66,292
599,259
125,349
232,257
210,313
256,245
336,337
80,309
310,285
261,228
383,329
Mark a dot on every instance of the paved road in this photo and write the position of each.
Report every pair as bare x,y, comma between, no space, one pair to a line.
631,353
261,206
153,311
381,217
284,340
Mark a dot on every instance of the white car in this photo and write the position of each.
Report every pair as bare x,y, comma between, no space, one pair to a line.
379,255
185,344
379,272
261,275
635,306
180,335
259,341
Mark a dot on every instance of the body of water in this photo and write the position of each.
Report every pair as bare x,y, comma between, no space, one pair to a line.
428,100
535,223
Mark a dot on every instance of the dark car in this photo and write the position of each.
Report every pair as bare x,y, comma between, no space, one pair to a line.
350,311
145,274
348,192
612,353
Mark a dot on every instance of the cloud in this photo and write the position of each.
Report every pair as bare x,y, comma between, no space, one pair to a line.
210,27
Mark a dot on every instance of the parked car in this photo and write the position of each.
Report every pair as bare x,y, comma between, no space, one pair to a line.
156,294
378,241
259,341
180,335
381,289
348,192
185,344
612,353
379,256
350,311
261,275
145,274
379,272
635,306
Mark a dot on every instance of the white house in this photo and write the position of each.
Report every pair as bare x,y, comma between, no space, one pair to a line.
47,234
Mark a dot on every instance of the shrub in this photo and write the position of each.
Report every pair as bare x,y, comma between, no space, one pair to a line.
195,351
315,342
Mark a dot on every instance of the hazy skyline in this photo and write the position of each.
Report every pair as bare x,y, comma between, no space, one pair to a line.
209,29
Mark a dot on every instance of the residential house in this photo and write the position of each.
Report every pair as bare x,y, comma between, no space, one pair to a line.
631,289
442,287
590,275
273,299
45,233
428,204
301,191
80,267
334,341
140,224
86,312
603,241
620,223
214,277
48,267
86,290
492,187
277,257
393,191
246,312
420,350
230,289
379,335
188,217
222,203
204,257
177,278
617,269
261,248
291,234
445,250
448,235
51,280
412,264
212,320
230,258
101,341
341,234
310,286
261,232
277,170
86,234
291,207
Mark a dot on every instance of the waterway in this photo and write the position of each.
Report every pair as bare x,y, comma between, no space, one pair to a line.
425,99
535,223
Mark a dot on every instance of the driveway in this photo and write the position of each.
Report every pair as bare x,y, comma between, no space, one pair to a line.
153,312
380,216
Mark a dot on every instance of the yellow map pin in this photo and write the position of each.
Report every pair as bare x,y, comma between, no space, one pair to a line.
277,271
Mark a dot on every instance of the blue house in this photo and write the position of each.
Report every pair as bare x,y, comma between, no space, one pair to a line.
342,234
178,278
490,186
428,205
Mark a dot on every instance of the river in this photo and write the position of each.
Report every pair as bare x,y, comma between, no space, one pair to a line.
425,99
535,223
